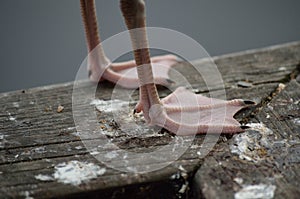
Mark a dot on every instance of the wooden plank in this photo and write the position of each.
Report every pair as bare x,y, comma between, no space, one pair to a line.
35,139
268,156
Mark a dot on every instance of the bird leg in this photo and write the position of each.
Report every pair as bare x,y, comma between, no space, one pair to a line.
100,67
182,112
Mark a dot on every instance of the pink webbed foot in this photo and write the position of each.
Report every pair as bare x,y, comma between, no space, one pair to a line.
125,74
186,113
182,112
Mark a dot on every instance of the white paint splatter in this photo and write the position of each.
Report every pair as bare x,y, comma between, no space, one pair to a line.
248,145
16,104
282,68
77,134
94,153
270,107
195,146
175,176
183,188
238,180
181,168
110,133
27,195
259,127
256,192
43,177
41,149
297,121
181,174
132,169
78,147
111,155
281,86
75,172
108,105
2,140
11,118
71,128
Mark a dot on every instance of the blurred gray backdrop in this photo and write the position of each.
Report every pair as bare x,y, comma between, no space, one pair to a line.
43,42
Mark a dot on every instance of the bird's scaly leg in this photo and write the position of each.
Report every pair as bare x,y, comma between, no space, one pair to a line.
182,112
100,67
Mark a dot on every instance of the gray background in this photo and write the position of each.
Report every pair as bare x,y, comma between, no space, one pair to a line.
43,42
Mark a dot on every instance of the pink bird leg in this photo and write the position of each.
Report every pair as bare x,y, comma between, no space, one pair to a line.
182,112
100,67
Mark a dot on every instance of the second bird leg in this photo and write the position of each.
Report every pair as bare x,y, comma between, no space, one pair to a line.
123,73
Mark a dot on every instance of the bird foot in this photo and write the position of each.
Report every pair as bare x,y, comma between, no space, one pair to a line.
186,113
125,73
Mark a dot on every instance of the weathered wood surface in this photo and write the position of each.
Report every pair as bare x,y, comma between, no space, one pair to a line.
35,139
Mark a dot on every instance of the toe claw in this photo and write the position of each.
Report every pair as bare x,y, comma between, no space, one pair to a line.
249,102
244,127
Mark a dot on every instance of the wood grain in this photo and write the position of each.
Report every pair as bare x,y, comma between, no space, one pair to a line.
35,137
